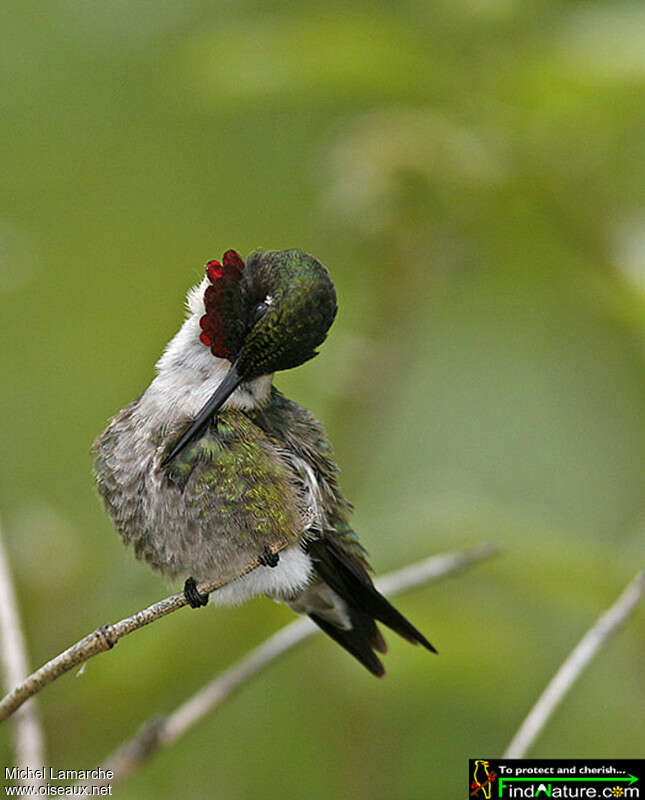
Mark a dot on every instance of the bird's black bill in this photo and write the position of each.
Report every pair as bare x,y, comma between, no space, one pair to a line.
226,388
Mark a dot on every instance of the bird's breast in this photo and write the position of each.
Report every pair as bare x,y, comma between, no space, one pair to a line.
214,508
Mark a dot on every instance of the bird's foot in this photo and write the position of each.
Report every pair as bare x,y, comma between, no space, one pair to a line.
269,558
195,599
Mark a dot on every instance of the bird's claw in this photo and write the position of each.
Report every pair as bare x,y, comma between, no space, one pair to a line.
269,558
194,598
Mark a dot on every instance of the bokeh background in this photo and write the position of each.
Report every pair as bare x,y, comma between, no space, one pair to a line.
473,174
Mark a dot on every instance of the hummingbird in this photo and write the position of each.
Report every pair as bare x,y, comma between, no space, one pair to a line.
212,468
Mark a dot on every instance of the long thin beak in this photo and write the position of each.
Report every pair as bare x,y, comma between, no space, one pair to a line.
226,388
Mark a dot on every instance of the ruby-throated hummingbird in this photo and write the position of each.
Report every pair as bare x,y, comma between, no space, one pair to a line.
212,467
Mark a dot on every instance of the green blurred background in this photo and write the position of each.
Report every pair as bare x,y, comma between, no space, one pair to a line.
473,174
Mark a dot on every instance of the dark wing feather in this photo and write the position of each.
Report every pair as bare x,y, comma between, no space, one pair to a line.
349,579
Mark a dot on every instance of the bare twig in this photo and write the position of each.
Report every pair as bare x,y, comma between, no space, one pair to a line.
28,735
104,638
162,731
605,626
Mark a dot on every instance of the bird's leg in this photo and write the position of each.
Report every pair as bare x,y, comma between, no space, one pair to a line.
269,558
195,599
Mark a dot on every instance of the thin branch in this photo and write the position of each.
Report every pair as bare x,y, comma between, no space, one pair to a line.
29,743
104,638
162,731
581,656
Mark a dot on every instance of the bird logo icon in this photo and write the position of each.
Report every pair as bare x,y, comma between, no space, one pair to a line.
483,778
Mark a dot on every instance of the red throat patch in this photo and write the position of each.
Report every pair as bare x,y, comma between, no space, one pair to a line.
223,277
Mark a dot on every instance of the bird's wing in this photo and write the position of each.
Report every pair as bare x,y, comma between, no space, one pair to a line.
341,599
305,449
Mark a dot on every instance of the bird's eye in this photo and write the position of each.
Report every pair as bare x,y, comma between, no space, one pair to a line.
259,311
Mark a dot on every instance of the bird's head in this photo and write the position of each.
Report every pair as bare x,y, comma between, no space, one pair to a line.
265,315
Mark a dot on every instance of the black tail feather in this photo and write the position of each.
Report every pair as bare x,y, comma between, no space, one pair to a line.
361,640
349,579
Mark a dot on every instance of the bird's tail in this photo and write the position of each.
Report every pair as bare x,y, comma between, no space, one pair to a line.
346,605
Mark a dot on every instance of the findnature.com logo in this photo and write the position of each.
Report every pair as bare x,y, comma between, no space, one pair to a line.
555,778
